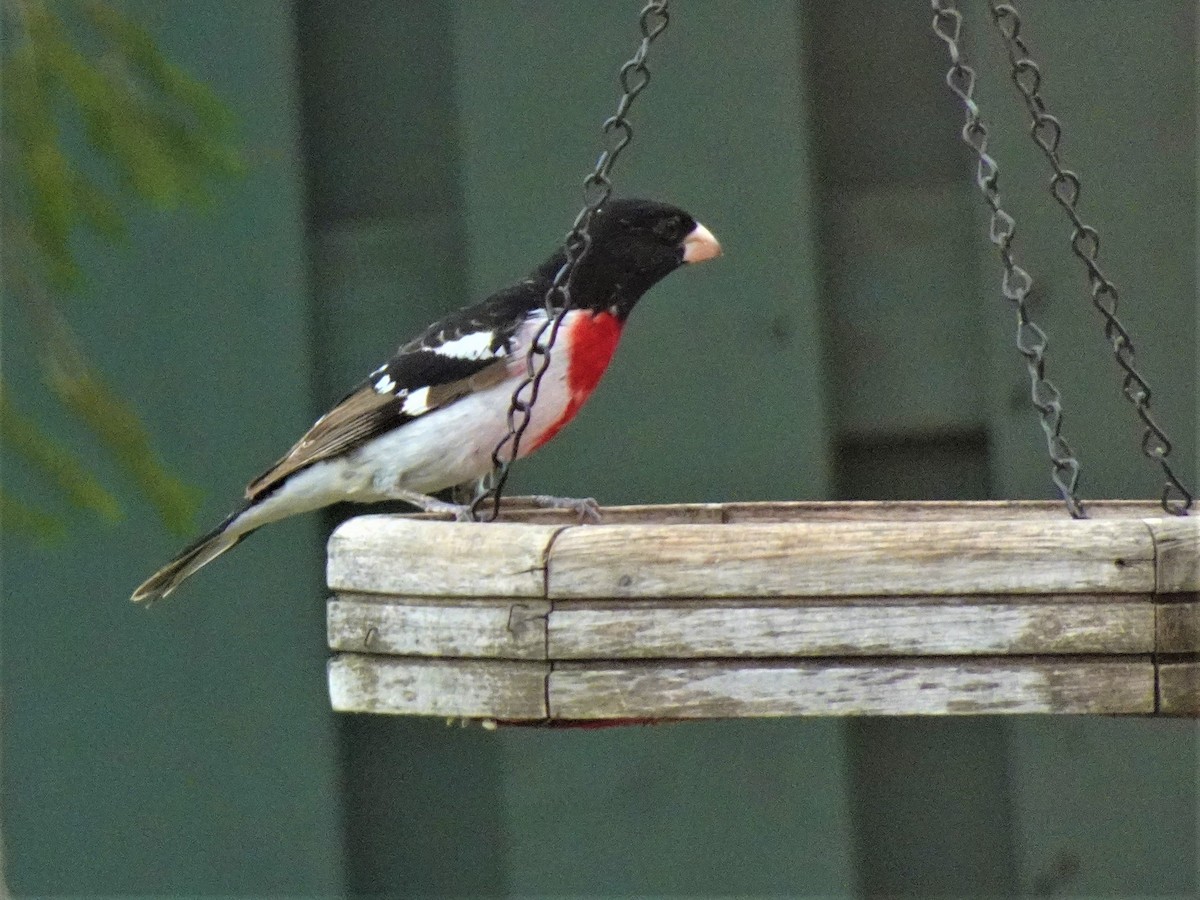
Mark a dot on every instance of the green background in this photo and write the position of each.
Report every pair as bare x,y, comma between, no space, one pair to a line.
408,158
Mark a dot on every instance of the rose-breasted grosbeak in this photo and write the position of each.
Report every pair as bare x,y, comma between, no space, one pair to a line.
430,417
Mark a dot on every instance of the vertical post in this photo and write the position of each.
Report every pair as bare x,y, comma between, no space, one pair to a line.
387,246
907,337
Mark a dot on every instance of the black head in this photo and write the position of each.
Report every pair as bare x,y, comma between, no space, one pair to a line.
635,244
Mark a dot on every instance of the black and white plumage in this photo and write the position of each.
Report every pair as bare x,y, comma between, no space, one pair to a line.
430,417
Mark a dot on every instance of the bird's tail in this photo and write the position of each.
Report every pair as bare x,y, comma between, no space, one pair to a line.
191,559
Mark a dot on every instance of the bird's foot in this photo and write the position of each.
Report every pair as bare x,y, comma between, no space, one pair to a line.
460,511
586,508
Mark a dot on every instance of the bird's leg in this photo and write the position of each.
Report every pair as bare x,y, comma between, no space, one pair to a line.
425,503
466,492
586,508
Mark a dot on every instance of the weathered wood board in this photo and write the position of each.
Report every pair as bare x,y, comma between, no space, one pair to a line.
420,626
399,555
700,690
1179,689
729,610
1178,627
524,628
698,630
515,510
1177,552
852,558
933,511
457,688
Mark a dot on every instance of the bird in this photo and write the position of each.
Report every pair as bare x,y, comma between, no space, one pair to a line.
430,417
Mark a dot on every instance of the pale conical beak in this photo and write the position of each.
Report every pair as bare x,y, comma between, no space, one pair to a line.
700,245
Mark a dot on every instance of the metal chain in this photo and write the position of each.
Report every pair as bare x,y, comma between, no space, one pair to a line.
1065,187
1016,282
597,188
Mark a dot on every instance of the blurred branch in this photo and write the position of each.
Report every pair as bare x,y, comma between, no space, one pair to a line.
157,137
117,427
23,437
22,519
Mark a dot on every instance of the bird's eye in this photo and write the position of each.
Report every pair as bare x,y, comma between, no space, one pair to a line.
668,228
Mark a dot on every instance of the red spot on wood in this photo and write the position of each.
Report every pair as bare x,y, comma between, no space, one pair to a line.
591,341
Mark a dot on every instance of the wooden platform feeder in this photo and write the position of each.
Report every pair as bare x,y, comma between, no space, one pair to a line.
781,609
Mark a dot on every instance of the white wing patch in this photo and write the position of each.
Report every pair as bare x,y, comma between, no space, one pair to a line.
416,403
384,385
477,345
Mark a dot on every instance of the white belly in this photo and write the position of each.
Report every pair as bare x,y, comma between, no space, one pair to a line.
454,445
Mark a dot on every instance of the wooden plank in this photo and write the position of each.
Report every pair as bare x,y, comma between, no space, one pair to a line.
399,555
670,514
1179,688
825,511
414,626
470,689
700,629
852,558
1177,545
919,687
1178,627
931,510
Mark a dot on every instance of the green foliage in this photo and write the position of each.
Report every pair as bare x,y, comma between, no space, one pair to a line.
49,458
157,137
117,427
22,519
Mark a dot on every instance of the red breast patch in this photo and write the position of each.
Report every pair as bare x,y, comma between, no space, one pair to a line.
591,341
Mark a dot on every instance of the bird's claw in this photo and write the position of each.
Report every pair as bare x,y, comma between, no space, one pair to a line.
461,512
586,508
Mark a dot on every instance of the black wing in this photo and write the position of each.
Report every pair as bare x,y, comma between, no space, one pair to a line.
466,352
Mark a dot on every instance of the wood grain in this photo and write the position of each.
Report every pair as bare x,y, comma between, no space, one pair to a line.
456,688
400,555
879,687
932,510
1178,627
673,514
1179,688
702,629
1177,546
852,558
826,511
720,610
408,626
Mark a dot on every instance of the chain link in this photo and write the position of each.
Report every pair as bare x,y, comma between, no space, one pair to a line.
1065,187
597,188
1016,283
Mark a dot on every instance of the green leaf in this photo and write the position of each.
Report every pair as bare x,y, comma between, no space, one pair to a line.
54,461
27,112
52,212
165,137
100,209
117,427
21,519
137,45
